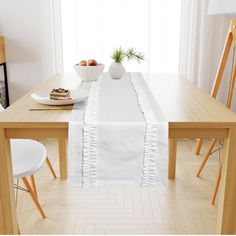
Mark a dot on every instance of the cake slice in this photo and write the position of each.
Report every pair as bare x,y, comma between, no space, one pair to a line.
60,94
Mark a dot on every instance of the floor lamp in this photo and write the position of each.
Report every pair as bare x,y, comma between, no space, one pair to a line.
223,7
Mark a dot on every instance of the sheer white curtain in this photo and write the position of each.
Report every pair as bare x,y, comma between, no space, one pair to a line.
94,28
201,45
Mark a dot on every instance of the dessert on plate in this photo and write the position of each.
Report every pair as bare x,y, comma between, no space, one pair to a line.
60,94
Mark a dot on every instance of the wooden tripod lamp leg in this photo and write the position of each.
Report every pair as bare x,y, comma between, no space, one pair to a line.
231,38
213,142
216,185
219,74
223,61
199,146
232,82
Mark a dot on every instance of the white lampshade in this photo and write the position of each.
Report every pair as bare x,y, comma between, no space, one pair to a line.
222,7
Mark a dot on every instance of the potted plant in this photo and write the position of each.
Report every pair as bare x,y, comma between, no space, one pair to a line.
116,69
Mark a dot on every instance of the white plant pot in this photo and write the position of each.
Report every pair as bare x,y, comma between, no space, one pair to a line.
116,70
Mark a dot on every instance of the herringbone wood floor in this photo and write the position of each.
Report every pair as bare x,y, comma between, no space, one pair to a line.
181,207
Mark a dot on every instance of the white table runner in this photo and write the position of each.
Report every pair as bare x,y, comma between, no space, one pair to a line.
120,138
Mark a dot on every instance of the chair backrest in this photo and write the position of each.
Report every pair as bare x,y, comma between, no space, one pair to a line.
1,108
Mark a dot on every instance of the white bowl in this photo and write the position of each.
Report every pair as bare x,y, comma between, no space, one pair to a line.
89,73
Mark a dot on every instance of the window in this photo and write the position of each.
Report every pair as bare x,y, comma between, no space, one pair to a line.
94,28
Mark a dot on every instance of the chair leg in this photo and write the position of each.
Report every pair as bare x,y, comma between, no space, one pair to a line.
50,165
33,185
216,185
51,168
199,146
213,142
34,198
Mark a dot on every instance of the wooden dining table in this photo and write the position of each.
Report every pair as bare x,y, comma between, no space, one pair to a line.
191,113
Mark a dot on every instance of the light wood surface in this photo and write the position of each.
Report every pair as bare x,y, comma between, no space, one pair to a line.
227,208
8,221
172,158
2,50
26,118
179,207
183,104
62,148
186,106
189,111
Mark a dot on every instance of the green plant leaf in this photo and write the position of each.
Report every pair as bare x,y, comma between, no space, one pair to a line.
120,54
132,54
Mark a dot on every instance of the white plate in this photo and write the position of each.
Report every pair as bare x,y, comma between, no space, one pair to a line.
43,97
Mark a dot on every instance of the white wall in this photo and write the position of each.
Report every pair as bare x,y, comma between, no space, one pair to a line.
202,41
27,27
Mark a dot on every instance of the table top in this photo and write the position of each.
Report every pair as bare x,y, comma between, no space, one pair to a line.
187,106
184,105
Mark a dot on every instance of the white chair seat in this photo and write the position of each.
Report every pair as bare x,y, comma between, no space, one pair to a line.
28,156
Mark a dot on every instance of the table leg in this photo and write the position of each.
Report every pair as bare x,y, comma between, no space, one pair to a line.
62,147
226,220
8,220
172,158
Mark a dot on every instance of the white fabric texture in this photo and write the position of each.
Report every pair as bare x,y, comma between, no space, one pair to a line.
154,133
201,44
89,138
122,135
